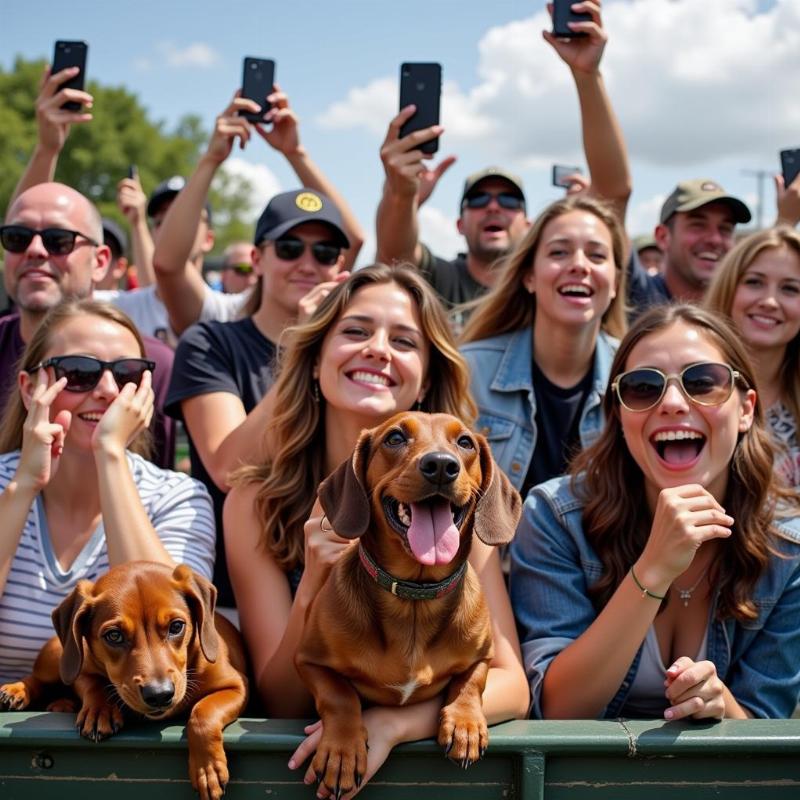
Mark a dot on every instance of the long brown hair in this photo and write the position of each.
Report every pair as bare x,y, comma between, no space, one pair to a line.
287,481
508,306
610,483
726,280
15,413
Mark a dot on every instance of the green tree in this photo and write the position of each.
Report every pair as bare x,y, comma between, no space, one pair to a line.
98,154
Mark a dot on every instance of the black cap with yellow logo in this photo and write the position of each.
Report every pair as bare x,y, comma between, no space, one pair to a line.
288,209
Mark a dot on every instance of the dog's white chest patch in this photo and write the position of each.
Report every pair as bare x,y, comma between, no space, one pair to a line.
405,689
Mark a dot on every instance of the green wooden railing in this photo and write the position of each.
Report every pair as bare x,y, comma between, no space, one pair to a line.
43,758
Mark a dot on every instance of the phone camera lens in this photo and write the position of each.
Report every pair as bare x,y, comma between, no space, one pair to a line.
254,66
67,49
406,73
420,86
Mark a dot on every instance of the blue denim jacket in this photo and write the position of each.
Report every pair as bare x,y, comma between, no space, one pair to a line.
552,566
502,385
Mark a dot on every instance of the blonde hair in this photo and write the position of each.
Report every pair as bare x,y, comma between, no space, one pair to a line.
722,290
508,306
287,481
15,413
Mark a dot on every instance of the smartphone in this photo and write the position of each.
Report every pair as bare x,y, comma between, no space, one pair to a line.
133,173
70,54
790,165
421,84
562,14
258,78
561,173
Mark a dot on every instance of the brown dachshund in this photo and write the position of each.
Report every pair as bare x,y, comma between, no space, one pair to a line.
145,634
402,618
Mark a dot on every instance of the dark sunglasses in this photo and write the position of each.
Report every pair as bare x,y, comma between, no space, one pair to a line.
290,249
57,241
83,373
239,269
507,200
706,384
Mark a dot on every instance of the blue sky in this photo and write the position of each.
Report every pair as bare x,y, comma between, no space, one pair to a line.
702,88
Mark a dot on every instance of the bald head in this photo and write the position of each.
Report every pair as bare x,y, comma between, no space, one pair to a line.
38,279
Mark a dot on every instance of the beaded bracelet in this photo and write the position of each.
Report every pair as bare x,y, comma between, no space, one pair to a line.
645,592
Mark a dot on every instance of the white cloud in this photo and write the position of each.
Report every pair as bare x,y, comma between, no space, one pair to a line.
197,54
692,82
643,216
438,231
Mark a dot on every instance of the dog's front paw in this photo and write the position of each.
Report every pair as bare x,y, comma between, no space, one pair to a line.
340,762
463,733
99,720
208,769
14,696
63,705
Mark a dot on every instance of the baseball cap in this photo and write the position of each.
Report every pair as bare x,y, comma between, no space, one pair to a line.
491,172
166,190
689,195
644,241
114,237
288,209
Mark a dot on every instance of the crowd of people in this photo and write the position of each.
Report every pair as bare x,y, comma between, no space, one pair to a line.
646,409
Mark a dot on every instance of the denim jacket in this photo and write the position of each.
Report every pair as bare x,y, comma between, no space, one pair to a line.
502,385
552,566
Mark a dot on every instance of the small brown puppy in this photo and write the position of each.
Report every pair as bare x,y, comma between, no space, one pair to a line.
402,617
148,632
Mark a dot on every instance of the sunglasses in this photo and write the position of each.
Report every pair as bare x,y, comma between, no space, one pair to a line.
706,384
239,269
83,373
290,249
507,200
57,241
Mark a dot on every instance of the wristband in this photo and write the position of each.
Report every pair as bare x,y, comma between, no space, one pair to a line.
644,590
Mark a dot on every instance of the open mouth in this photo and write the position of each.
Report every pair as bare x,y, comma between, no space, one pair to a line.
370,378
678,448
429,528
580,290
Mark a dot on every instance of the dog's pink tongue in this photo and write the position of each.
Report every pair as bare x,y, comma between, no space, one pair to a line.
432,535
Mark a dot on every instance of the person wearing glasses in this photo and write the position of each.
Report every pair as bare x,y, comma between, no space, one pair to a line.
53,243
184,292
661,577
492,210
224,369
757,285
237,268
540,343
78,495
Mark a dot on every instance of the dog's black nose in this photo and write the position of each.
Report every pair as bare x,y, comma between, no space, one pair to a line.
158,694
439,468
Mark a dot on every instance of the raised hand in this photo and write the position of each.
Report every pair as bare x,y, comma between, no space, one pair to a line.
284,135
131,199
42,439
229,126
53,121
582,53
308,303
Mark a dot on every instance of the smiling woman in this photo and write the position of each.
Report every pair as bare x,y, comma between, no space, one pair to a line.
540,344
377,345
758,287
77,495
663,576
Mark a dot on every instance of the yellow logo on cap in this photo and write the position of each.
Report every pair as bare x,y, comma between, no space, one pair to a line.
307,201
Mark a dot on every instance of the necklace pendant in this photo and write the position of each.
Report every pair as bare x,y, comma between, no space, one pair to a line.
686,596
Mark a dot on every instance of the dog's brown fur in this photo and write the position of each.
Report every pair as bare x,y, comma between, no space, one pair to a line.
144,604
361,640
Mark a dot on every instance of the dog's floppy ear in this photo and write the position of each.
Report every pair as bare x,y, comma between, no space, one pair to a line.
343,496
201,596
71,620
499,507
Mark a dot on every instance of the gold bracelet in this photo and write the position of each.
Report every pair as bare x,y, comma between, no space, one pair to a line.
645,592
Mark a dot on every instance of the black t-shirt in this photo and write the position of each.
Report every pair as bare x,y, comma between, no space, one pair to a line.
233,357
558,416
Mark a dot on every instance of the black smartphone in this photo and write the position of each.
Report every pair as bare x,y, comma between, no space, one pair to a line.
421,84
562,14
258,77
133,172
561,173
70,54
790,165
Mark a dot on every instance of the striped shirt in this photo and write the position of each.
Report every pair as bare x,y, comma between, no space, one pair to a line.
179,509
